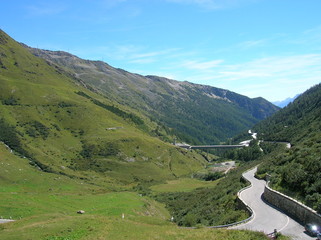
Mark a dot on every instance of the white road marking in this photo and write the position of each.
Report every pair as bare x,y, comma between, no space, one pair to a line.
287,223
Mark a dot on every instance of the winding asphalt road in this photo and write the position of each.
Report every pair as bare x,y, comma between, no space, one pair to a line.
267,218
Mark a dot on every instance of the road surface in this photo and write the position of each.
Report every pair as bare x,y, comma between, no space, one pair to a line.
266,218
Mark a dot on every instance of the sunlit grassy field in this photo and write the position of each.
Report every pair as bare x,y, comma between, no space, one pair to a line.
45,206
182,185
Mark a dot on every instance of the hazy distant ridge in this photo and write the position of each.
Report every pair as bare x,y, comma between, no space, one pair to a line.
285,102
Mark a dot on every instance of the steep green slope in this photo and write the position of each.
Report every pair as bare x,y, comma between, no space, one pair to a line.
297,171
197,113
63,127
74,149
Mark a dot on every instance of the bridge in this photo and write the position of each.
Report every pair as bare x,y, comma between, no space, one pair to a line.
215,146
187,146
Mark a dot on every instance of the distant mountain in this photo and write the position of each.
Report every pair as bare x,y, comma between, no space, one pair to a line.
298,169
285,102
195,113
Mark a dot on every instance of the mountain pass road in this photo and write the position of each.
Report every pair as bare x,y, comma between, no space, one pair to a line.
267,218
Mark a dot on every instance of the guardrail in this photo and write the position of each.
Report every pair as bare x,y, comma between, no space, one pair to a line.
290,206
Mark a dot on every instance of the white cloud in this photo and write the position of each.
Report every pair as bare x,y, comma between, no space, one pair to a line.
209,4
130,54
143,60
201,65
252,43
316,31
153,54
214,4
46,9
109,3
139,55
281,66
274,66
270,77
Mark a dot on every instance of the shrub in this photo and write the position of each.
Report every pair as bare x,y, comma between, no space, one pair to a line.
9,136
103,149
10,101
37,129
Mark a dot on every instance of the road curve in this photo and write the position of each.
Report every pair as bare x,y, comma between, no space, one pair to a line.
267,218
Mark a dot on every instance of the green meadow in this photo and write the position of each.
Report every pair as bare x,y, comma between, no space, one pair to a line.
182,185
75,149
45,206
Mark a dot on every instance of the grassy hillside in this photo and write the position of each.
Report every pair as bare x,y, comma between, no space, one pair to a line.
63,127
296,171
195,113
64,148
45,206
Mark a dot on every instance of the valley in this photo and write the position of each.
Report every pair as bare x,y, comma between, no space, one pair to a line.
195,113
81,135
45,206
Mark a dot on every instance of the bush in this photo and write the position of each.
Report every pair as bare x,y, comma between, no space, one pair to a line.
209,176
9,136
103,149
37,129
10,101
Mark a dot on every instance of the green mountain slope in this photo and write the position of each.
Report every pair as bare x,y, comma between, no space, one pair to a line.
63,127
197,113
297,171
45,206
64,148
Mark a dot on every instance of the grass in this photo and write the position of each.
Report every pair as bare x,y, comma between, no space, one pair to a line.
96,227
35,192
134,230
34,92
182,185
45,205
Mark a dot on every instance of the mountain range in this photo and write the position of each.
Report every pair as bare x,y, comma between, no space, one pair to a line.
195,113
67,114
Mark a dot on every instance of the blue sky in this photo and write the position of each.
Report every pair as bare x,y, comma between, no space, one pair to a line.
268,48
